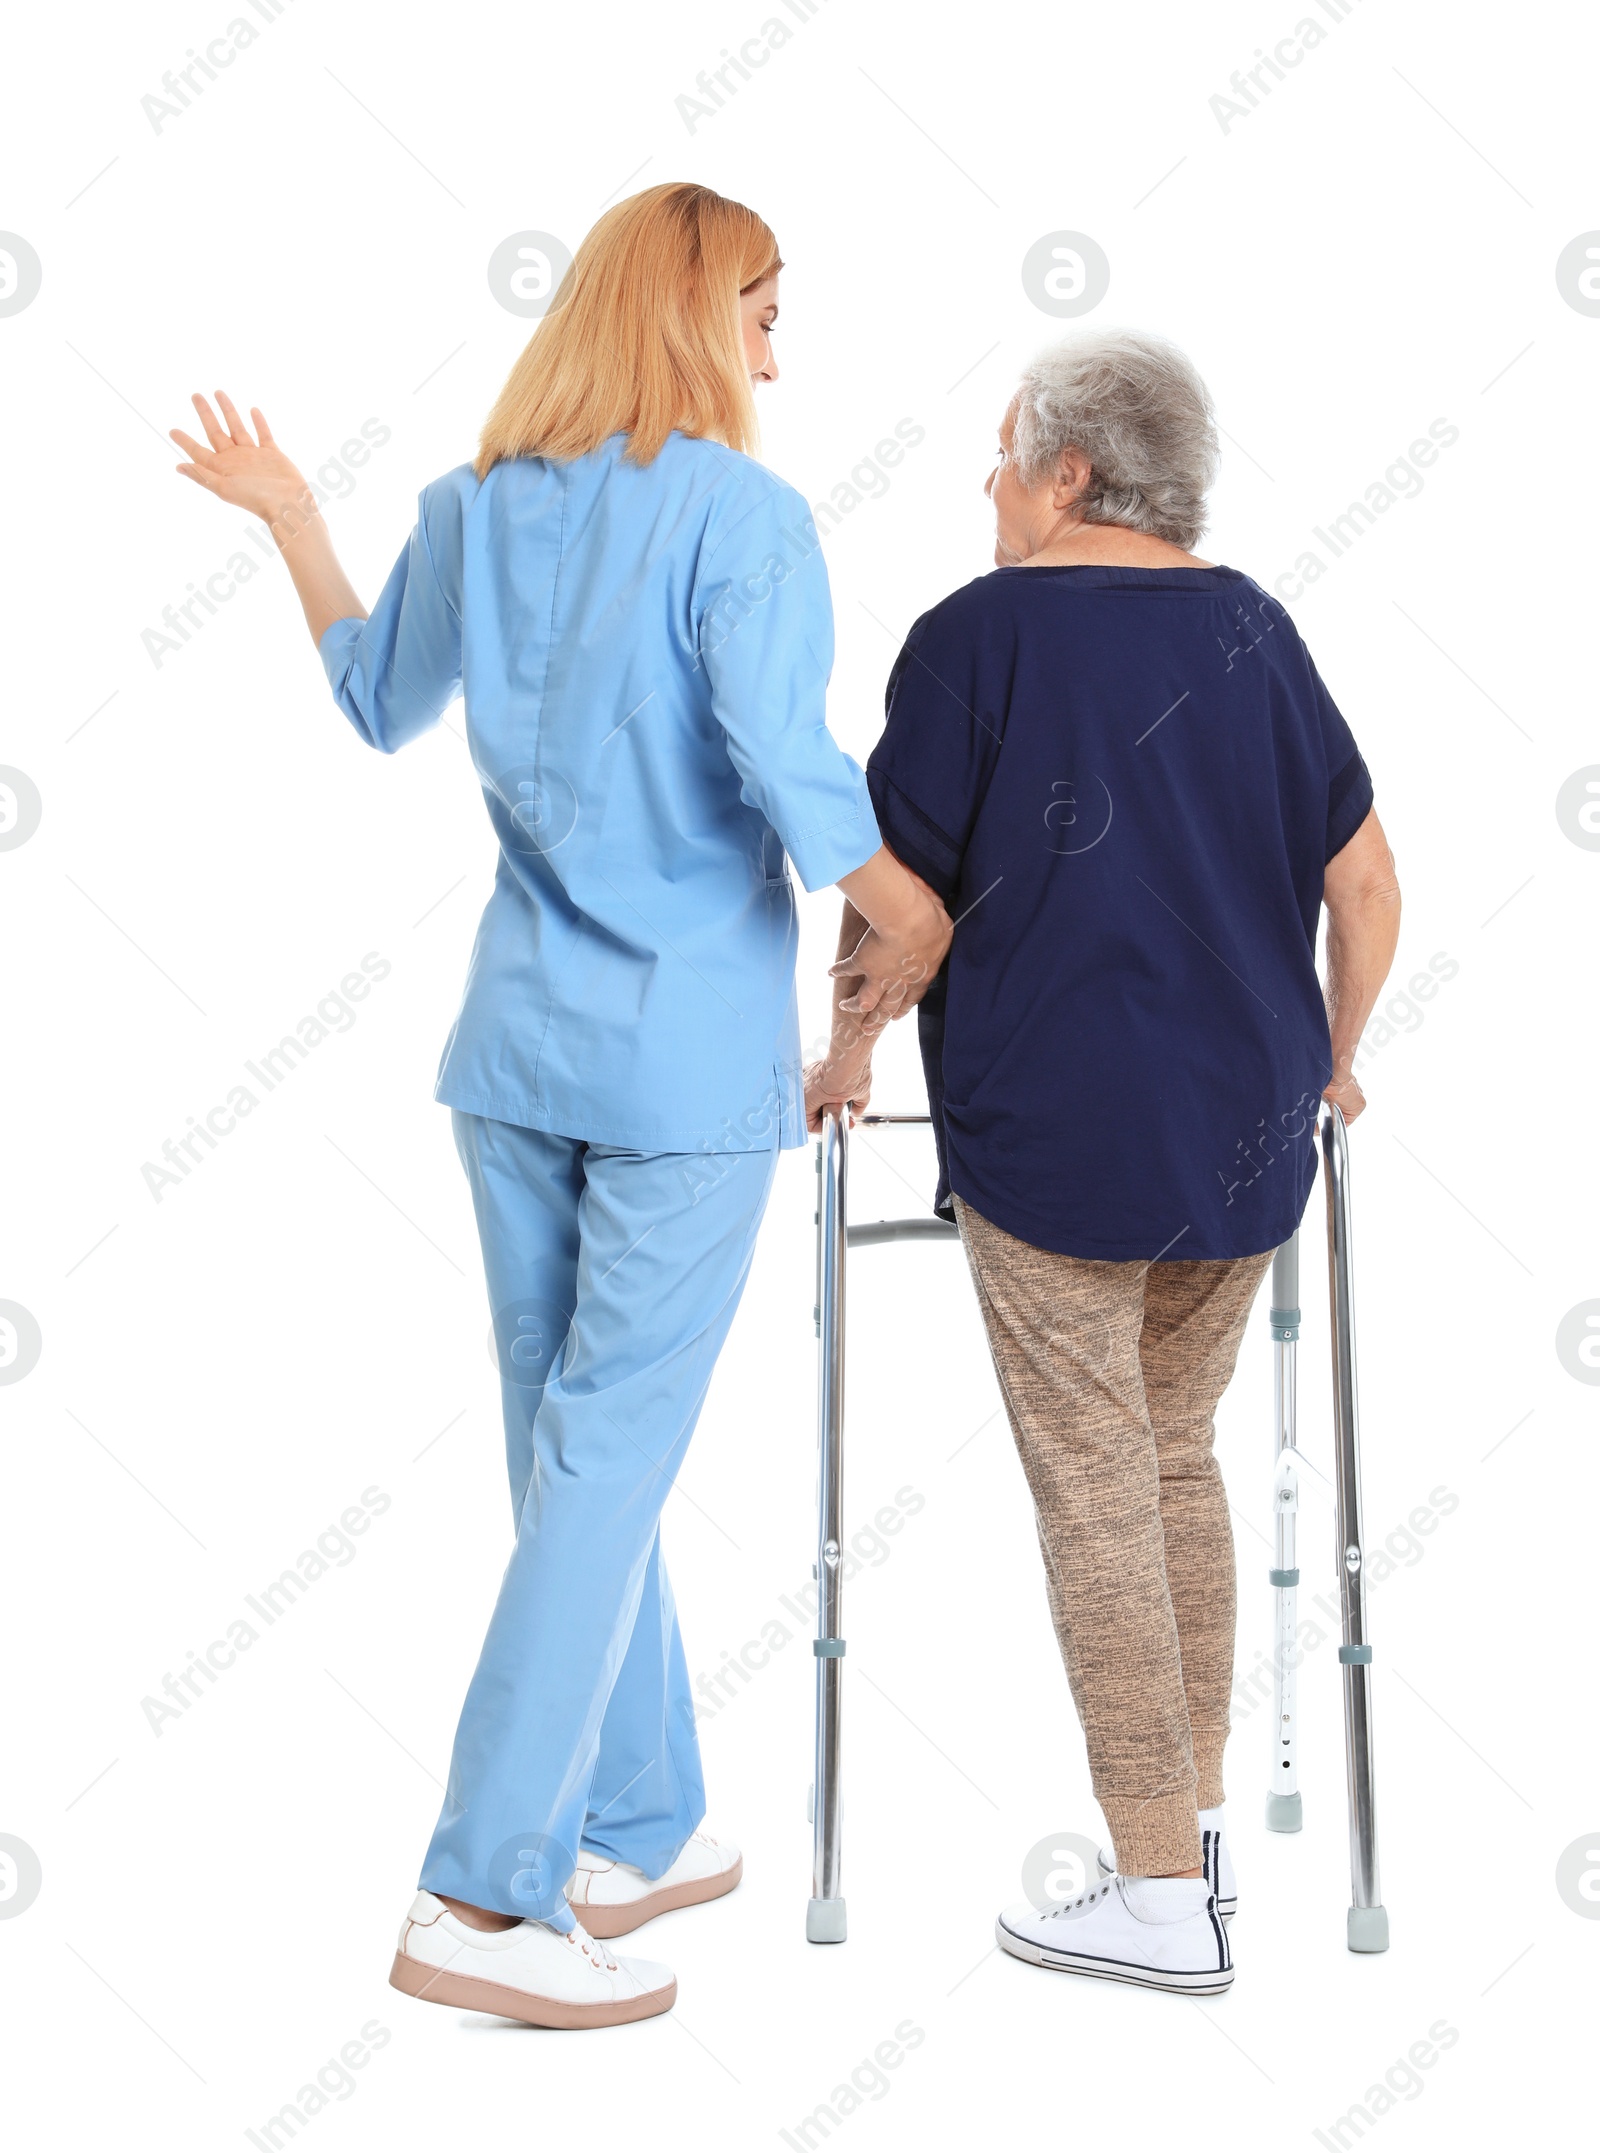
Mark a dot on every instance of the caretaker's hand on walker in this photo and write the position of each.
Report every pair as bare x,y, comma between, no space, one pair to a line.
254,474
893,939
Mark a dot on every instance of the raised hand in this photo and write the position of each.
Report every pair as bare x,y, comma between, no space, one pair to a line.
253,473
249,473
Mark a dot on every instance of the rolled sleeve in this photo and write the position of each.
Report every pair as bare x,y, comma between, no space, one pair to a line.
926,849
930,770
1349,782
764,622
395,673
1349,804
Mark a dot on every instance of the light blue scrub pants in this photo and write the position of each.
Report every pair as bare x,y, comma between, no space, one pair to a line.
614,1276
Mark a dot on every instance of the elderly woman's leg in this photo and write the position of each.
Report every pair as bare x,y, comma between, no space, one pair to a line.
1065,1337
1194,1318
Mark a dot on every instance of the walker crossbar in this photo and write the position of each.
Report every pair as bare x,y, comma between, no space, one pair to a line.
825,1915
1367,1924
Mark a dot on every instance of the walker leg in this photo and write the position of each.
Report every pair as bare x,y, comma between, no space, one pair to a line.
1367,1928
825,1915
1283,1796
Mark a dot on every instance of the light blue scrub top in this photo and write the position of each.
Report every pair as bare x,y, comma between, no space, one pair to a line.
643,653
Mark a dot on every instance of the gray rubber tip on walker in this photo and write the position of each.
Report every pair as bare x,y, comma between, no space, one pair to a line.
1284,1813
1367,1928
825,1923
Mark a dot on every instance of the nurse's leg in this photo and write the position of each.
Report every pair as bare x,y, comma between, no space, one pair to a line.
526,1186
665,1243
648,1792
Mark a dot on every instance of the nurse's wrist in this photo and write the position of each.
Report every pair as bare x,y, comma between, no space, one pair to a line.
889,897
299,518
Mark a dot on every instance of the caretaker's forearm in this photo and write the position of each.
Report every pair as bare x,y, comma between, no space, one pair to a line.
849,1030
306,544
883,894
905,933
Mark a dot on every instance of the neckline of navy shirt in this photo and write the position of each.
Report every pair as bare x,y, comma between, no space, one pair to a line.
1104,575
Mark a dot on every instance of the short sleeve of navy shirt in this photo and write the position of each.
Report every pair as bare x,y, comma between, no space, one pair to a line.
1125,783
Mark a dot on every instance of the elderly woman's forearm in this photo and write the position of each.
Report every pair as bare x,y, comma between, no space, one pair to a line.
1362,894
1362,935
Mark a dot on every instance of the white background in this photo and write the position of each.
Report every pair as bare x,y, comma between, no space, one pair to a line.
224,1371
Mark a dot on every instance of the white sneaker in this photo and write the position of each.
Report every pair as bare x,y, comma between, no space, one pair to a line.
1123,1930
1216,1863
530,1972
612,1897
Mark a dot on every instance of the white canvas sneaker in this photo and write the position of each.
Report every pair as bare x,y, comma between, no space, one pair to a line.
530,1972
1122,1930
612,1897
1216,1863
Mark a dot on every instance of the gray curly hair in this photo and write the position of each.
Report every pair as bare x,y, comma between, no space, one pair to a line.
1136,408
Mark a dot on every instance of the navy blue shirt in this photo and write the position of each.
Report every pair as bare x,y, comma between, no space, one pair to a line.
1125,783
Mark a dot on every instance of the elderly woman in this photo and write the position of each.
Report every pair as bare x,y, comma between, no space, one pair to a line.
1118,767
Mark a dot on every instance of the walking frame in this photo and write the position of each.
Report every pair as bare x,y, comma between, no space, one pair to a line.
1367,1922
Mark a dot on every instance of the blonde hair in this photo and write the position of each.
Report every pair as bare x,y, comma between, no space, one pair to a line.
643,335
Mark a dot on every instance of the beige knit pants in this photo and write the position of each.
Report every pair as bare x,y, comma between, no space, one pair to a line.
1111,1374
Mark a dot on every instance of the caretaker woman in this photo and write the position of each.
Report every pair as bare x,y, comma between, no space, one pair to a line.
637,616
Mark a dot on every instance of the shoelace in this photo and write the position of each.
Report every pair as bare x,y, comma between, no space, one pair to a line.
595,1953
1091,1897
